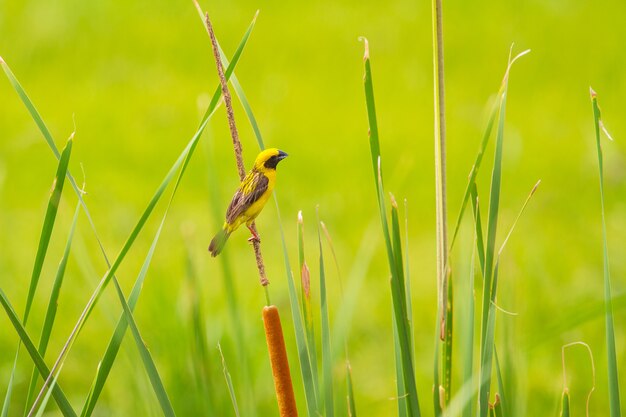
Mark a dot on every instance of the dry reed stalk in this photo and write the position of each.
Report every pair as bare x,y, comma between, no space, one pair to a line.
236,142
279,362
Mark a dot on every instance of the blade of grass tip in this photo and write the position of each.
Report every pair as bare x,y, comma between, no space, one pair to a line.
57,393
614,397
494,204
229,382
397,286
593,373
307,310
42,249
48,225
501,398
46,331
146,357
327,360
350,389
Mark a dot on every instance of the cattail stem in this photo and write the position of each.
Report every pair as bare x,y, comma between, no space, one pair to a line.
279,362
236,144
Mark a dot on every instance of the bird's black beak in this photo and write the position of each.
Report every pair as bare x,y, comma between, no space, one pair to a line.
282,155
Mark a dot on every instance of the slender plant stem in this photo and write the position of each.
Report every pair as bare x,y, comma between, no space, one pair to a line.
236,145
440,163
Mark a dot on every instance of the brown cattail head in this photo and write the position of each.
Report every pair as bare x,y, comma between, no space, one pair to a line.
279,362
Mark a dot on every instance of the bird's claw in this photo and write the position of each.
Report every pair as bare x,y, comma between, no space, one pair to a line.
254,239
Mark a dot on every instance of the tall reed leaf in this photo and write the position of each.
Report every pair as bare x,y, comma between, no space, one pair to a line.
57,393
394,259
614,398
327,359
42,249
46,331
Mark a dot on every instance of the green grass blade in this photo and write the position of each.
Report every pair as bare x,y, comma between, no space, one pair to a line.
327,360
503,403
468,345
229,382
486,354
307,310
146,357
614,397
350,389
48,224
52,307
471,183
46,399
296,315
478,228
105,365
42,249
447,346
57,393
397,284
565,404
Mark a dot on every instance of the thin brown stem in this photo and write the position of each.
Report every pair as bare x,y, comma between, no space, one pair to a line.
236,142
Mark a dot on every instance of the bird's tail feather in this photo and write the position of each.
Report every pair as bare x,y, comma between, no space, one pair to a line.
218,242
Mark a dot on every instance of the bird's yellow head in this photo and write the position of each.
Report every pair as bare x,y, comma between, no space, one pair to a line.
268,159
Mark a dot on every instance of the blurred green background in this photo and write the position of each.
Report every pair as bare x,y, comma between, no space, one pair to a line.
135,78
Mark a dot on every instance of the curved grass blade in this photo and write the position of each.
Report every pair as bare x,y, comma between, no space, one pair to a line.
57,393
46,331
327,360
394,259
42,249
614,397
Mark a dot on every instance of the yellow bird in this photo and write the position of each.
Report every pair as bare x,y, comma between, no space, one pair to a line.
250,198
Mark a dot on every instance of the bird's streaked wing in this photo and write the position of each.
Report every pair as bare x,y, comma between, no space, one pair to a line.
257,184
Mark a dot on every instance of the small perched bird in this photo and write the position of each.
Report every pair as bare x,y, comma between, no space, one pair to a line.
250,198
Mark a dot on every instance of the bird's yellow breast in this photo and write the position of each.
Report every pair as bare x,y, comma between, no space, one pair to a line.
255,208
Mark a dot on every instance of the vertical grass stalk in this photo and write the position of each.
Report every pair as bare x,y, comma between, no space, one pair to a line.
614,397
